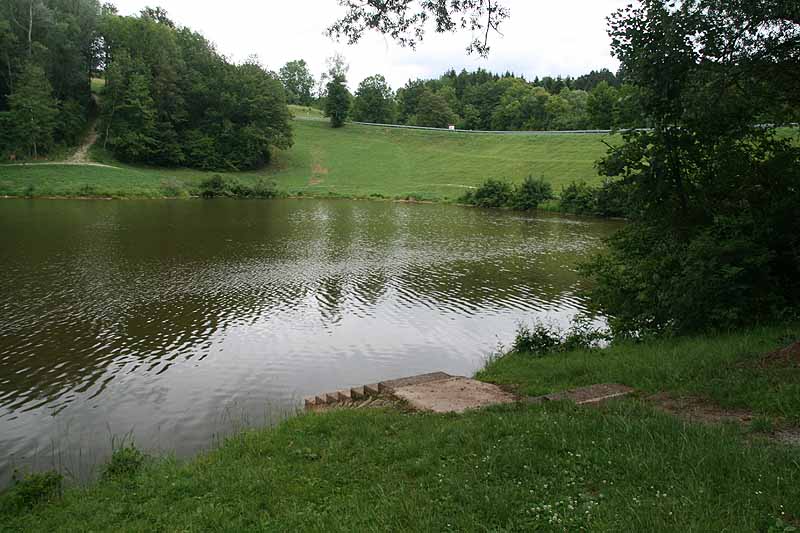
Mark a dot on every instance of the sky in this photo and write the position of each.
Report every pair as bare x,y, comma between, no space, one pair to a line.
541,38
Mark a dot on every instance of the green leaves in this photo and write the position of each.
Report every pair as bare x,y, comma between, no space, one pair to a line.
337,105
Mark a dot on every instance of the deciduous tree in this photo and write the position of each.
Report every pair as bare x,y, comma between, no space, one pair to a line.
338,101
33,111
298,82
374,101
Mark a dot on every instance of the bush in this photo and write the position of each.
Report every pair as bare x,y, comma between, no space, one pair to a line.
530,193
260,189
611,199
125,462
172,188
501,194
578,198
214,187
31,490
493,193
538,339
652,282
541,339
220,187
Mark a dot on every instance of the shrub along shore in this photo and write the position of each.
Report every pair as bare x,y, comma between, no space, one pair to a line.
624,466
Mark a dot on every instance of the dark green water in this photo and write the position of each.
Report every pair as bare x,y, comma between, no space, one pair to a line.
172,322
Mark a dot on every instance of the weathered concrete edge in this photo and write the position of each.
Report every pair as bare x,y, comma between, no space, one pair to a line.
364,392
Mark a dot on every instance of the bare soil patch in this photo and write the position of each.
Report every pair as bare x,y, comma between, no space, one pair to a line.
702,411
785,357
698,410
318,174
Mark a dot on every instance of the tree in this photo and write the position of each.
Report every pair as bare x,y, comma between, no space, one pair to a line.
602,105
33,111
405,21
337,106
408,98
433,111
158,15
336,65
298,82
171,99
374,101
567,110
522,107
57,36
714,234
132,135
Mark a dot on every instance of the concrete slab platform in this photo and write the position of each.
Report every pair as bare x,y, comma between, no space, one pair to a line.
393,384
452,395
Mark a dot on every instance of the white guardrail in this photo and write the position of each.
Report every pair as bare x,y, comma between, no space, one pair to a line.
484,132
487,132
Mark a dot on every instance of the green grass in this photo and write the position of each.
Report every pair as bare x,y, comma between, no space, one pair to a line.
98,84
355,161
552,467
302,111
722,369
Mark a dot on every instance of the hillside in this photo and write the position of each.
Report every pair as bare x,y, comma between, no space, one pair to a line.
352,161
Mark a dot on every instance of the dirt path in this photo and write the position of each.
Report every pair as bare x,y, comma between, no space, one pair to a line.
700,410
81,156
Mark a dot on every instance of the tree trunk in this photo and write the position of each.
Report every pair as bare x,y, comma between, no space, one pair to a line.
32,133
10,78
30,29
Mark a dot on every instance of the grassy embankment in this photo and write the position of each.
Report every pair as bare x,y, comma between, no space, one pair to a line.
355,161
623,467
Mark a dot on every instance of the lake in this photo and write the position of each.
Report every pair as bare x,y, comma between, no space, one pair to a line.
173,323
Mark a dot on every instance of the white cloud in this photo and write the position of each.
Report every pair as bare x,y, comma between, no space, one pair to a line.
567,37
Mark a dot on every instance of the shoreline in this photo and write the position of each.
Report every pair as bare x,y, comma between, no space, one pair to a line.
731,468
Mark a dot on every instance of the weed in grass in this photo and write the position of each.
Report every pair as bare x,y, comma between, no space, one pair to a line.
30,490
87,190
125,462
762,425
172,188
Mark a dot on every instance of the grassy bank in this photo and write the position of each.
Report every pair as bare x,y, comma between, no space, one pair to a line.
355,161
622,467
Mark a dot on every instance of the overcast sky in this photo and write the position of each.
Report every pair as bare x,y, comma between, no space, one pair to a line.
542,37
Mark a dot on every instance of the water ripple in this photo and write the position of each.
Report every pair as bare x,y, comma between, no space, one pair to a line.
164,318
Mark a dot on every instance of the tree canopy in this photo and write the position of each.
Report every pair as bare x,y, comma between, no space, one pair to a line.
374,101
298,82
171,99
714,236
338,101
53,42
406,21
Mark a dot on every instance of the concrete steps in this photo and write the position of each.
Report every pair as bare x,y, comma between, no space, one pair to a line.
366,392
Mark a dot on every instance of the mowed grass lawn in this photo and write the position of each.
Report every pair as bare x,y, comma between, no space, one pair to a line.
623,466
354,161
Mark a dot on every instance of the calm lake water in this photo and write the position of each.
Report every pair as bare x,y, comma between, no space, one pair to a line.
174,322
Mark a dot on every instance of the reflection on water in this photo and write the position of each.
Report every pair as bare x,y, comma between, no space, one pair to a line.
165,319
